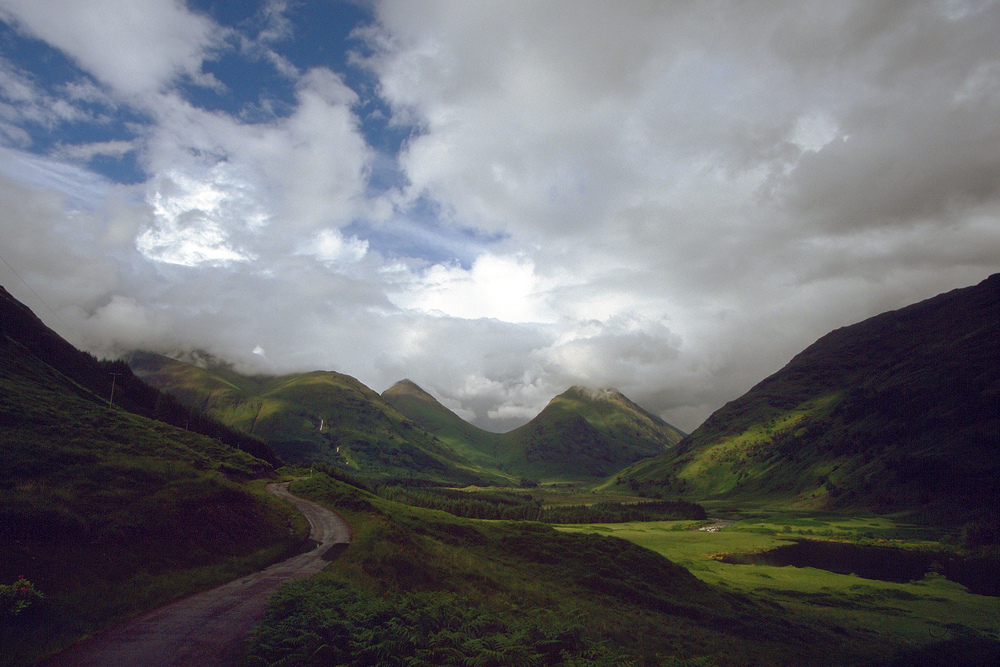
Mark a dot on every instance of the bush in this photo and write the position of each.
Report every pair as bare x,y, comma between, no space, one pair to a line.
18,598
317,622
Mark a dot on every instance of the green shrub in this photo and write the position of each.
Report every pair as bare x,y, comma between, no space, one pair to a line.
17,598
323,622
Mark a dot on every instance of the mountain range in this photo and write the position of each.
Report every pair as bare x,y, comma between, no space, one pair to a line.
580,434
899,411
331,418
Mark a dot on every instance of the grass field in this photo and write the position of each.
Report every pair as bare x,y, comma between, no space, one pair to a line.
920,615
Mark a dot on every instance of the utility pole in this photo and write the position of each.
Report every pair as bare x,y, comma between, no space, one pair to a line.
111,401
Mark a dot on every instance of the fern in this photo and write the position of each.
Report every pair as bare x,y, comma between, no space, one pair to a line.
324,623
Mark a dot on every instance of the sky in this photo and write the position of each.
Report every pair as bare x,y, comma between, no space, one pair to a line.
496,200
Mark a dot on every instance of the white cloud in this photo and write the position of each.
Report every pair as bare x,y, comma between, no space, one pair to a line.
501,287
195,217
670,198
85,152
330,247
135,47
127,322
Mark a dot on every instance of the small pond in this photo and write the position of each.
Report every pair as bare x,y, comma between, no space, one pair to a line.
980,575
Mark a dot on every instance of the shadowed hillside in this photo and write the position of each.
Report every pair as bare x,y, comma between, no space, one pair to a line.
106,511
112,381
898,412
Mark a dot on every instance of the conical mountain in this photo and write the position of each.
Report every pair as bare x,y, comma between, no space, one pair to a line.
585,434
316,417
580,435
898,412
474,443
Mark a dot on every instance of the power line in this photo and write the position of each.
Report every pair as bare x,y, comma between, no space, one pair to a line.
65,326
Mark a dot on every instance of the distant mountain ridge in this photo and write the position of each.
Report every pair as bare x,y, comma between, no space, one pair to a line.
582,434
898,412
316,417
328,417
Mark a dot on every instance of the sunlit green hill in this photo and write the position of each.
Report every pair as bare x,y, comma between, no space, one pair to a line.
322,417
581,434
585,434
473,442
898,412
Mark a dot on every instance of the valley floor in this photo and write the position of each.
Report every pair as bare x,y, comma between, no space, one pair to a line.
931,615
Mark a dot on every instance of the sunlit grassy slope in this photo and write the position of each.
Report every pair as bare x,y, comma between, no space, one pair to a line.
322,417
580,435
899,412
931,621
109,513
474,443
585,434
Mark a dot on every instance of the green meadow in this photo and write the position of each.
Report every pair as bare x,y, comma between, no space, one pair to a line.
920,619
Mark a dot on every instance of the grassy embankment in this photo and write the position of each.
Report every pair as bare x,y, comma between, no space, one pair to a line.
109,514
428,587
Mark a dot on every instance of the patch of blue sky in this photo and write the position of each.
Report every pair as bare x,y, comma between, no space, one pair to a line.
252,89
310,35
46,62
85,116
83,189
324,36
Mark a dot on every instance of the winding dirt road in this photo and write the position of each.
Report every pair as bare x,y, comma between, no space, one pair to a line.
211,627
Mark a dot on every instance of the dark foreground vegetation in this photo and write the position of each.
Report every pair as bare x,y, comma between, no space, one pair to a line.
105,512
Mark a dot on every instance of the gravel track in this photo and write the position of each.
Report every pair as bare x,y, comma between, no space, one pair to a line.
211,627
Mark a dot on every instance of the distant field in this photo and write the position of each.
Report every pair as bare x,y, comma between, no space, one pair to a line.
920,613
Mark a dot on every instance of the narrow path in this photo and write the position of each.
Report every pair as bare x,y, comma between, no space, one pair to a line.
211,627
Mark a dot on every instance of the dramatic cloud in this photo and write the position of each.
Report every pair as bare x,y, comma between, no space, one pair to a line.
497,200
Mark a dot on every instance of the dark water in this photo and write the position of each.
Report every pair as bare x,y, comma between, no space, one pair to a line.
980,575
